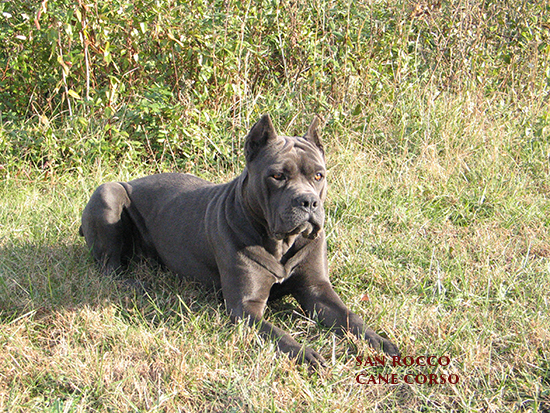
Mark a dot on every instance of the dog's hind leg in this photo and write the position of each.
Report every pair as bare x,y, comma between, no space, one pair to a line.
106,226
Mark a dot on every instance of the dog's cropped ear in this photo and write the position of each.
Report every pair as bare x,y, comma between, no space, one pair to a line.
261,133
312,135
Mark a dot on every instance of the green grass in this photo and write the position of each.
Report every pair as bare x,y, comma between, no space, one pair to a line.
444,263
437,137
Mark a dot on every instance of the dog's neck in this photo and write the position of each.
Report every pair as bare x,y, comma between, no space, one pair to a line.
279,248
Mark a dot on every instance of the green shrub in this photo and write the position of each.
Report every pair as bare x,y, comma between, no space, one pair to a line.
158,76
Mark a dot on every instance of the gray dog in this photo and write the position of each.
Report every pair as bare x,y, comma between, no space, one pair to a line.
257,237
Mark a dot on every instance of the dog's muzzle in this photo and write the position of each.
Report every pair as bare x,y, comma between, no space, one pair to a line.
307,221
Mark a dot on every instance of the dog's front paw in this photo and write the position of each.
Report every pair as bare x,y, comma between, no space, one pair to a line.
301,354
381,344
310,356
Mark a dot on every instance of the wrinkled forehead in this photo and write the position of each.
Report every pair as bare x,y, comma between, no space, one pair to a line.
298,149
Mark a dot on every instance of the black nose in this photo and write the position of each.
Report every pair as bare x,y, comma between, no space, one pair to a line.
308,202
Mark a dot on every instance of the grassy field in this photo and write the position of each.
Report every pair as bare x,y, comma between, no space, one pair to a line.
437,215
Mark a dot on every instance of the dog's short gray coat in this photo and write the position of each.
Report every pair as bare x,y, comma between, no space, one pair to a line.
257,237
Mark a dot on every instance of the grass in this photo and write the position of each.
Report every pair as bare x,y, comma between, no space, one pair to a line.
444,246
437,139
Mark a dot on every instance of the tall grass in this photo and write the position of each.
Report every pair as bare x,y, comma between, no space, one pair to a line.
179,83
437,218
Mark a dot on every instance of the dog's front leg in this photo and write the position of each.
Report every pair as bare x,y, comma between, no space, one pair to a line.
252,310
322,300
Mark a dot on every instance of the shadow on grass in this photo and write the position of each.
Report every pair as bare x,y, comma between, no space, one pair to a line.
40,279
42,283
45,278
54,298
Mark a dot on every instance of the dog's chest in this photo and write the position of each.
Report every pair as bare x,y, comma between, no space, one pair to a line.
279,258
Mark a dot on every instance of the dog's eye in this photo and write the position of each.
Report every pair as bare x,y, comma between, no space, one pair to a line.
318,176
278,176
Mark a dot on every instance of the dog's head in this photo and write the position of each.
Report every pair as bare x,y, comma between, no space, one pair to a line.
286,183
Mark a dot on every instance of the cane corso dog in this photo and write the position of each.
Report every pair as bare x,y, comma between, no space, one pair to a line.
257,237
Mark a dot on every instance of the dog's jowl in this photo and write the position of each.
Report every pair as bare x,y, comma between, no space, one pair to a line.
257,237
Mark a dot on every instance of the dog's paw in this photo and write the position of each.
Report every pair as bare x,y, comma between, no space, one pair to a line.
311,357
381,344
389,348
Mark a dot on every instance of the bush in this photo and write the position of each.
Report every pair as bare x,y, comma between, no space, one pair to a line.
156,76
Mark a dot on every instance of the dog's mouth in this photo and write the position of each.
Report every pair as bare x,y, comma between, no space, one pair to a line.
308,230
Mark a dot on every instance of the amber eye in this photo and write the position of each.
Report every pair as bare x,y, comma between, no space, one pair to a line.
318,176
278,176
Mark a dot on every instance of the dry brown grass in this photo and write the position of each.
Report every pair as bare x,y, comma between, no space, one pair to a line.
442,262
437,221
